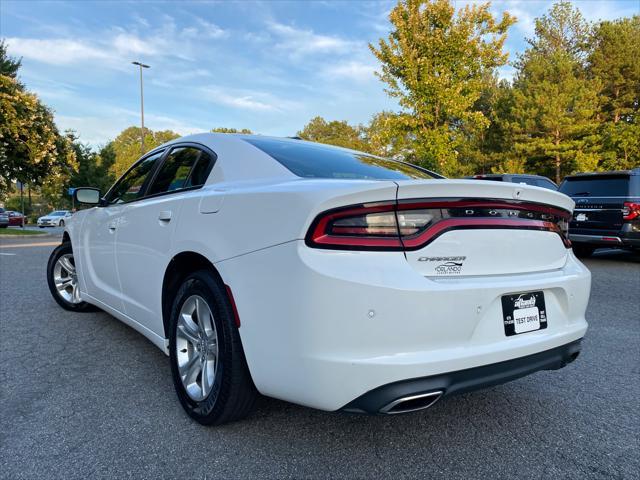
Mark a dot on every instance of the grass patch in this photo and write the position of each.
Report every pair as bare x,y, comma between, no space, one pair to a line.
18,232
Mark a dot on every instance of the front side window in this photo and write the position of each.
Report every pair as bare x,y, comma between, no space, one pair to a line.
184,167
129,187
313,160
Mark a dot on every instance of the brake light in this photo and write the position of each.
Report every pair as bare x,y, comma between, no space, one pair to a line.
412,224
363,227
630,210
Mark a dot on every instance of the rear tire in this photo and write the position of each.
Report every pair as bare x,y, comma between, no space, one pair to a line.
583,251
208,366
62,280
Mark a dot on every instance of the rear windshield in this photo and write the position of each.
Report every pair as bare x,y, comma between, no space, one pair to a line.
596,186
312,160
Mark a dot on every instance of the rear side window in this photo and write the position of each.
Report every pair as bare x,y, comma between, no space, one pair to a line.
543,182
526,180
129,187
184,167
536,182
310,160
596,186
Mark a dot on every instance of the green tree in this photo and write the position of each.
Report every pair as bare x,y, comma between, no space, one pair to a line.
386,136
555,105
435,63
335,132
127,146
562,29
615,63
31,148
9,66
94,168
231,130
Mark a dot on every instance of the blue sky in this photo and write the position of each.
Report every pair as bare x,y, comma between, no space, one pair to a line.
265,65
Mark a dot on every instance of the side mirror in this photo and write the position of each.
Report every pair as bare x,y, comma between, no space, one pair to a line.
90,196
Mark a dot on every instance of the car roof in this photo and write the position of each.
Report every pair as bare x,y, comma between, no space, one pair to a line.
635,171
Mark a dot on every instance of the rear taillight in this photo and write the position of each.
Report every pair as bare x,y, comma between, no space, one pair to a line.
412,224
630,210
370,226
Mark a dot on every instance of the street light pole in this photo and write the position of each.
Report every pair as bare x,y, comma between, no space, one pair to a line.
141,65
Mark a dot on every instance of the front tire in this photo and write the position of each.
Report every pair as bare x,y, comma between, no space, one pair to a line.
63,281
208,365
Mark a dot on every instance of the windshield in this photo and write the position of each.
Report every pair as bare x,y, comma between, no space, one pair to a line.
313,160
596,186
57,213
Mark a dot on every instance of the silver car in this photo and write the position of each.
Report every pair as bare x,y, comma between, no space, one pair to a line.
54,219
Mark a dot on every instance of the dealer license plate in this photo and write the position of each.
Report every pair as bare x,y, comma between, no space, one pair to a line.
523,312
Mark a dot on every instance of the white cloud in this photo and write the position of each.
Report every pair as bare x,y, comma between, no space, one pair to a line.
298,42
238,100
248,100
55,51
210,30
354,70
115,47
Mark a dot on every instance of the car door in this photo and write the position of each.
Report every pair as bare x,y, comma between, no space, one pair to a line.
100,229
145,231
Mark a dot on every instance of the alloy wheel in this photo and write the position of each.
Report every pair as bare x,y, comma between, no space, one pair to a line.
65,279
196,347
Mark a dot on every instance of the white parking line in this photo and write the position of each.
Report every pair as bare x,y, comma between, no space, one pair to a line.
7,254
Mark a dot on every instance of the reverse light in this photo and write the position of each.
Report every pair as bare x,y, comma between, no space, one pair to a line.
630,210
412,224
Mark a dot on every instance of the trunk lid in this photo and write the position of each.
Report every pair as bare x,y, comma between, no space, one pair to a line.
485,228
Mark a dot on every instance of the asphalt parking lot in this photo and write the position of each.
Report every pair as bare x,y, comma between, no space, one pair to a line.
84,396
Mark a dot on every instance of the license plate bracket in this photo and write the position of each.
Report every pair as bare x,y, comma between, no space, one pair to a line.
523,313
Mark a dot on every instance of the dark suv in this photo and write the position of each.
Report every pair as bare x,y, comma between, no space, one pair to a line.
535,180
607,213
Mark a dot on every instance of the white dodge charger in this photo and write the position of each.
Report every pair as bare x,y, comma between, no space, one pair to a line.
324,276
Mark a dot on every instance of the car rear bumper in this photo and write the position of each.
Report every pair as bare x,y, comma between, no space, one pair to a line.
321,328
612,241
387,398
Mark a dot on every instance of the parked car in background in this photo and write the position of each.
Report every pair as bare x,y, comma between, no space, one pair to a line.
4,218
15,219
607,213
533,180
325,276
56,218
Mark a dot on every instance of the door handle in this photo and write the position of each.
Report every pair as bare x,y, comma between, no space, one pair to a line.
112,226
165,216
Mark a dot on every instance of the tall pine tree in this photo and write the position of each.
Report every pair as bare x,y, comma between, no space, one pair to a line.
555,103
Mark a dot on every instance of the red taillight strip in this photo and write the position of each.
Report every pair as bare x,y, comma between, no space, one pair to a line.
318,236
431,233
